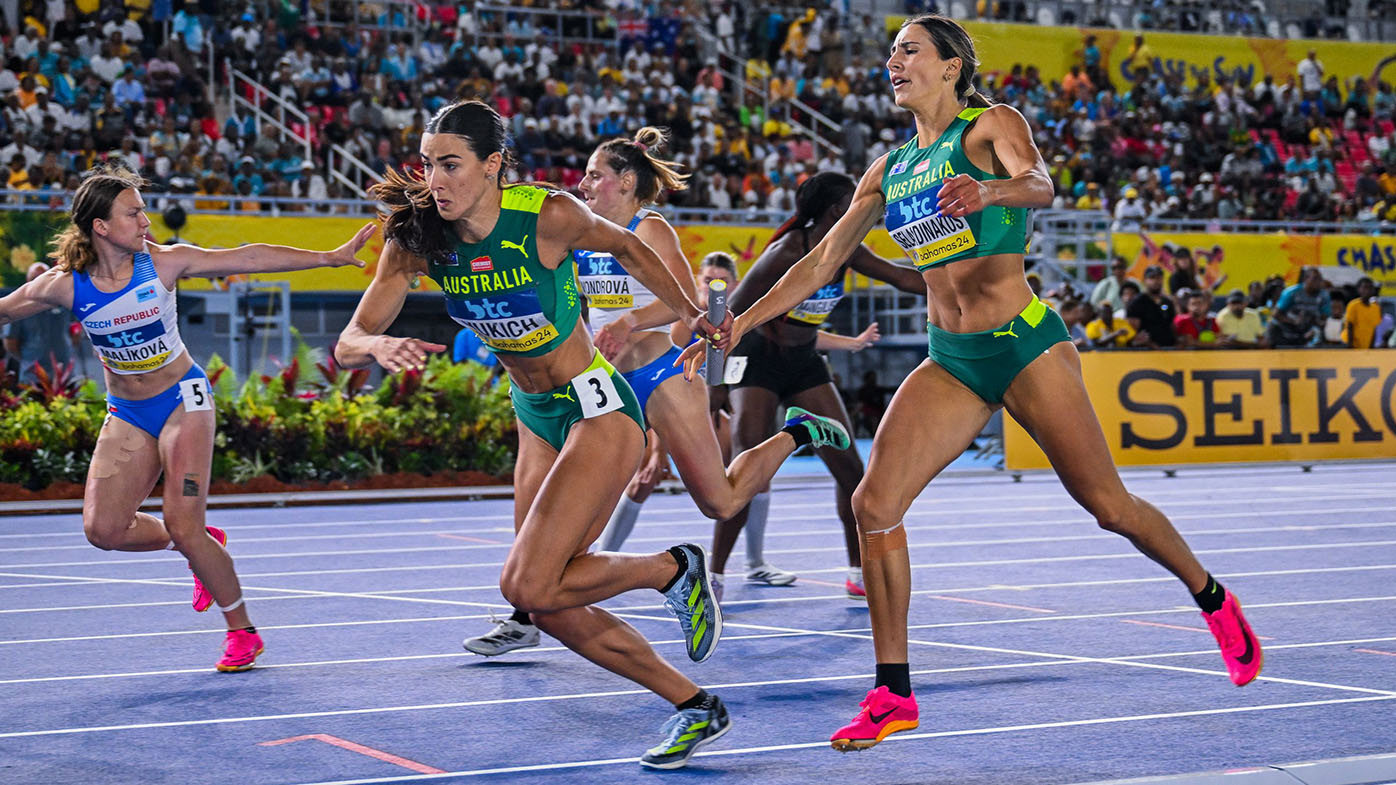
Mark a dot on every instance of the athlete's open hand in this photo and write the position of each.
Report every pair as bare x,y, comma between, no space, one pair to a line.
724,337
347,254
867,337
962,195
611,339
402,354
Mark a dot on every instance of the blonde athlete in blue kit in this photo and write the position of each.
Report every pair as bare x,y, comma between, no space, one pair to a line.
955,199
121,288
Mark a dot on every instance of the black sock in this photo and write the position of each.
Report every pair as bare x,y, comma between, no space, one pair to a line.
520,617
701,700
252,630
1211,597
799,433
896,677
681,557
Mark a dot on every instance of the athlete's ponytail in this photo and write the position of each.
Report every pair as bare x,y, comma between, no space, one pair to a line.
412,220
641,156
73,248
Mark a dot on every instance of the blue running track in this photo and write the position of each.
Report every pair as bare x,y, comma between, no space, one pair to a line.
1043,650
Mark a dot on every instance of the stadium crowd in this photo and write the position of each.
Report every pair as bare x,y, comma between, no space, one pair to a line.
79,87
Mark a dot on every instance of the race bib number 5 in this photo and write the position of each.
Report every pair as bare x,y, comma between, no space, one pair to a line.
597,393
195,395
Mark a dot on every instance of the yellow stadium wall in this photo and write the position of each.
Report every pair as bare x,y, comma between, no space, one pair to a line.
1054,49
226,231
1168,408
1255,257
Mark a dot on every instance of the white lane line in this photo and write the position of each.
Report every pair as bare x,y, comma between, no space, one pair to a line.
308,626
1078,521
940,544
899,738
1054,498
543,698
500,604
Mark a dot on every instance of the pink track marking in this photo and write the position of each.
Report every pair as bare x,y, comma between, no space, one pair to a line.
470,539
1377,651
1181,627
803,579
991,604
386,757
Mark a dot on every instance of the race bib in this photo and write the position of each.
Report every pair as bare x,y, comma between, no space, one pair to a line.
933,238
610,291
736,368
597,393
195,395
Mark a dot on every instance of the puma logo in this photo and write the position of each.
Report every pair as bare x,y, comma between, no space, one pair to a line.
506,245
566,396
950,145
1009,331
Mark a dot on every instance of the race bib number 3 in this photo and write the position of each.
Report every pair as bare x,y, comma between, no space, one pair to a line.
597,393
195,395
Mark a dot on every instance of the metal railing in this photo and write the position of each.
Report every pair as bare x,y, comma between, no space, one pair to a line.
593,21
261,94
337,157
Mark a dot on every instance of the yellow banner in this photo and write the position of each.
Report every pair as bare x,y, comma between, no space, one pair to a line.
1232,261
323,234
1164,408
1054,49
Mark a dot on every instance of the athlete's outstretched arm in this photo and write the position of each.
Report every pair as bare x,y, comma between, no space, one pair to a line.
879,269
193,262
362,341
660,236
1000,141
825,341
814,270
566,223
53,289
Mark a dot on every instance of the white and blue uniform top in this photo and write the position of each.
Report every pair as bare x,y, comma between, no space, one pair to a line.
135,330
611,290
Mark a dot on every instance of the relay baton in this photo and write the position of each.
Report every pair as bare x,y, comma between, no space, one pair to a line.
717,312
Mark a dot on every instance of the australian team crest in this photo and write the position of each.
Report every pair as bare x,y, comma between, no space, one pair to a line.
897,168
450,259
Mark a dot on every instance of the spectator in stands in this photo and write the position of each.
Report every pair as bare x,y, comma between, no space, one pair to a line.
1074,314
1184,275
1108,332
42,340
1300,312
1310,72
1362,315
1108,290
1197,329
1153,311
1129,211
1240,326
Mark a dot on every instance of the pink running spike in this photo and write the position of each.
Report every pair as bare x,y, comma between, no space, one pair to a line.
883,713
203,598
855,589
240,650
1240,649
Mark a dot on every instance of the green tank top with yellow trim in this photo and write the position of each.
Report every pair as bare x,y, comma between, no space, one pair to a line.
911,182
500,290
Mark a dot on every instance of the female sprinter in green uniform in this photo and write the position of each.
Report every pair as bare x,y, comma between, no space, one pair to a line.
121,289
502,256
779,362
631,329
959,191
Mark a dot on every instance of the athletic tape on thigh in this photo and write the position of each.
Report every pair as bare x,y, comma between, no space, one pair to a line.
106,463
877,544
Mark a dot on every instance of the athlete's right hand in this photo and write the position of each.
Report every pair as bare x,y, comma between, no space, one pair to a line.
402,354
695,353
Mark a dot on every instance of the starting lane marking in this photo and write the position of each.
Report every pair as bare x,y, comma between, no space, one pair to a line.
900,737
386,757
